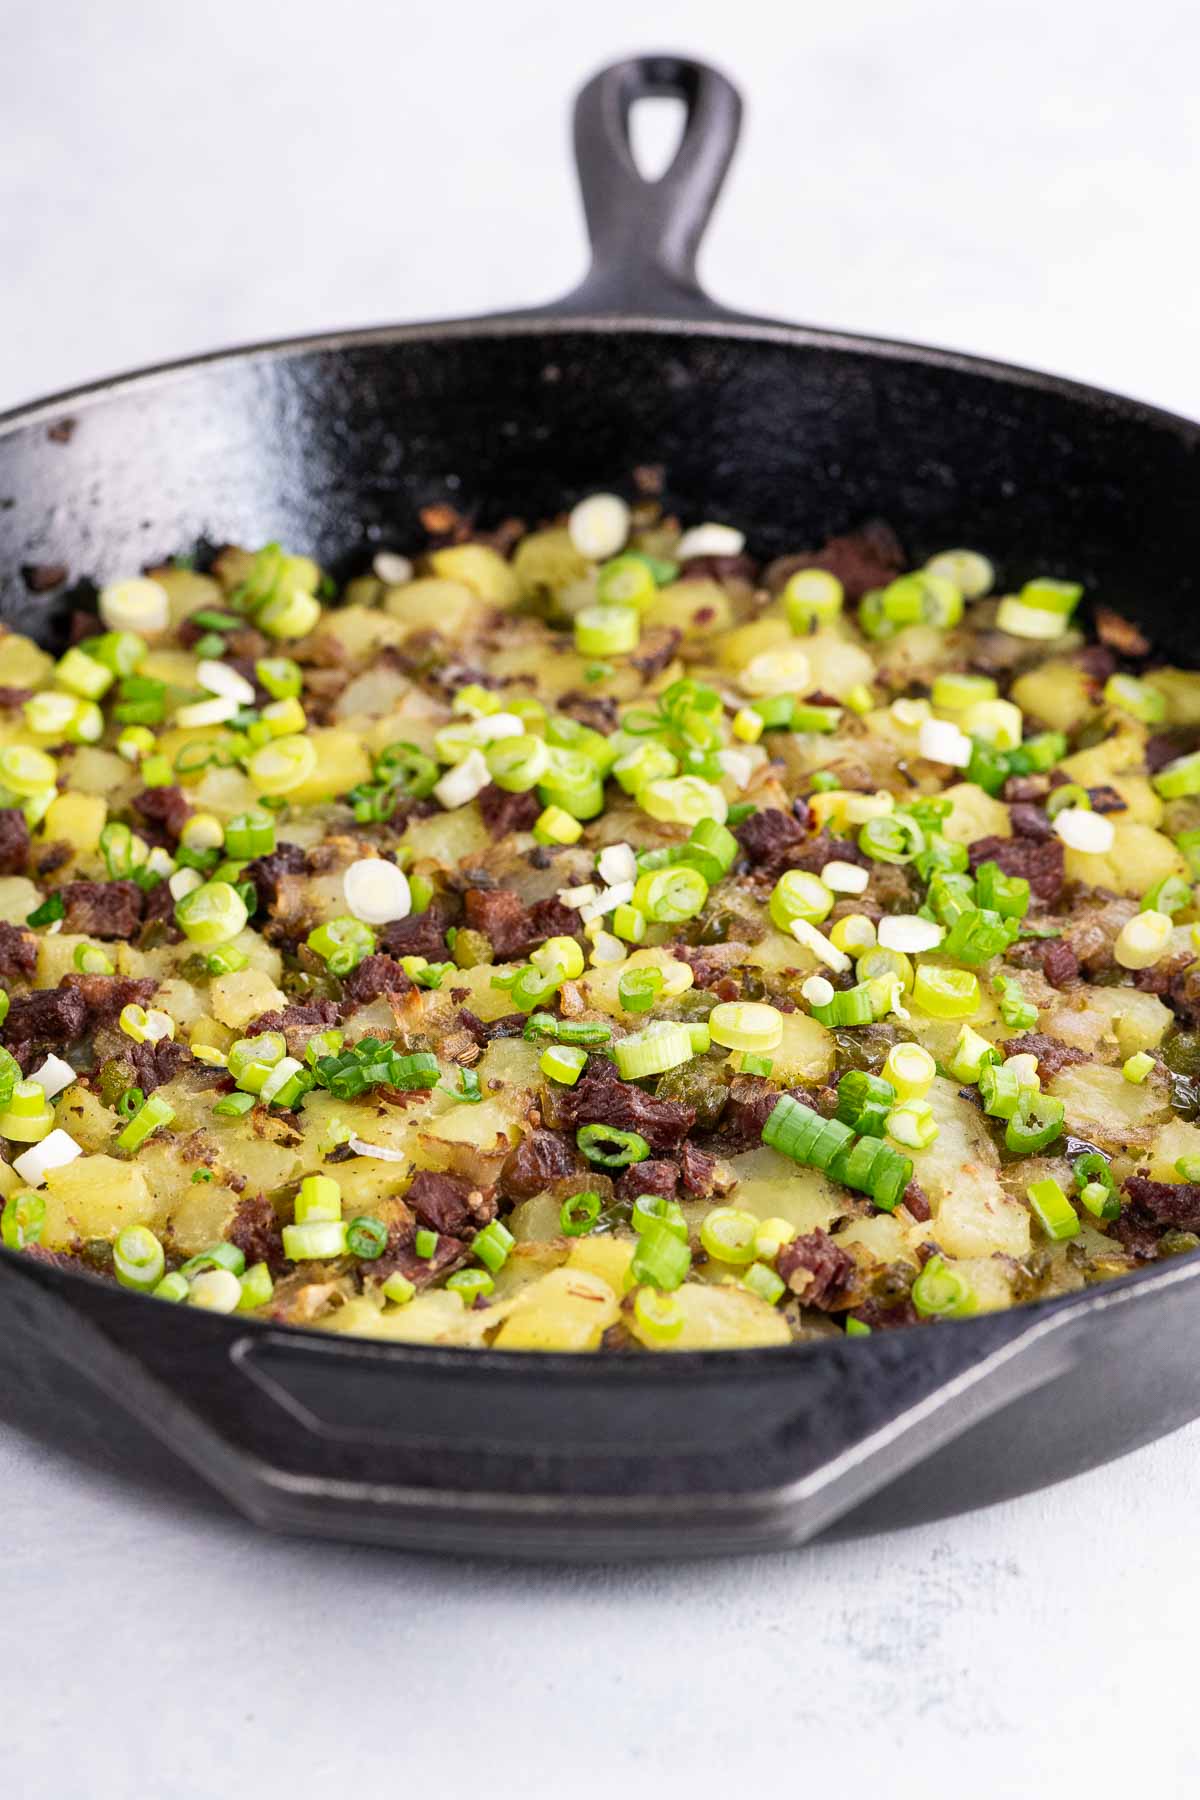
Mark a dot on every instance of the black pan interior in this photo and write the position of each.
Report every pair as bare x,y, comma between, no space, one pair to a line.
333,447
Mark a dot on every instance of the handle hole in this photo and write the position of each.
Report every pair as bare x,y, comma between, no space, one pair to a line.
656,126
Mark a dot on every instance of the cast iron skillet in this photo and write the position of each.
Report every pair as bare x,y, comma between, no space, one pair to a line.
332,444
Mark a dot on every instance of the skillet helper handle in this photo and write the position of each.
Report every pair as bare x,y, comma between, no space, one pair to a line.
339,1438
645,234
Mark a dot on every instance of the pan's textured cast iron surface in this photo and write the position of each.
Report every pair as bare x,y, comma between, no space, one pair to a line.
332,445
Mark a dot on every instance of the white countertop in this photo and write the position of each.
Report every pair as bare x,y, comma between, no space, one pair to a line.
1012,178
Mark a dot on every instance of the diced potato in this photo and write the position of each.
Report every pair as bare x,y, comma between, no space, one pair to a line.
806,1052
82,1113
568,1309
740,647
1056,694
509,1062
183,1001
837,665
236,999
202,1215
990,1281
94,771
884,1236
960,1174
25,663
607,1257
772,1186
450,608
341,764
1122,752
95,1197
188,591
225,792
359,631
546,562
56,956
1110,1111
533,1221
1177,1138
371,695
479,568
1109,1021
449,838
697,608
980,1219
719,1318
18,898
1139,858
914,654
973,814
1180,689
76,819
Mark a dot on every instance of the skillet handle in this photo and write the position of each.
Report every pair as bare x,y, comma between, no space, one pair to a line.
645,234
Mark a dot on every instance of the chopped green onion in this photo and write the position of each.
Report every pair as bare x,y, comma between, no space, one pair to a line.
234,1106
1136,1068
470,1284
668,896
864,1102
946,993
211,914
912,1124
1053,1211
660,1259
138,1259
971,1054
746,1025
316,1241
493,1244
894,838
940,1292
366,1238
23,1220
579,1214
606,630
652,1052
727,1233
655,1209
799,895
156,1113
342,943
1007,895
1036,1124
658,1315
977,936
638,988
610,1147
251,834
563,1063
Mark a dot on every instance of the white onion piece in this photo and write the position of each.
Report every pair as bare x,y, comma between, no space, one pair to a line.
599,526
376,891
54,1152
710,540
909,933
1081,829
845,878
819,944
391,569
219,678
381,1152
137,605
941,741
208,712
461,784
617,862
53,1076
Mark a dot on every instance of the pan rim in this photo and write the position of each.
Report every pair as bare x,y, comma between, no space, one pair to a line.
146,378
554,323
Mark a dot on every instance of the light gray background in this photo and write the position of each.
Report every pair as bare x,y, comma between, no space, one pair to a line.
1019,179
